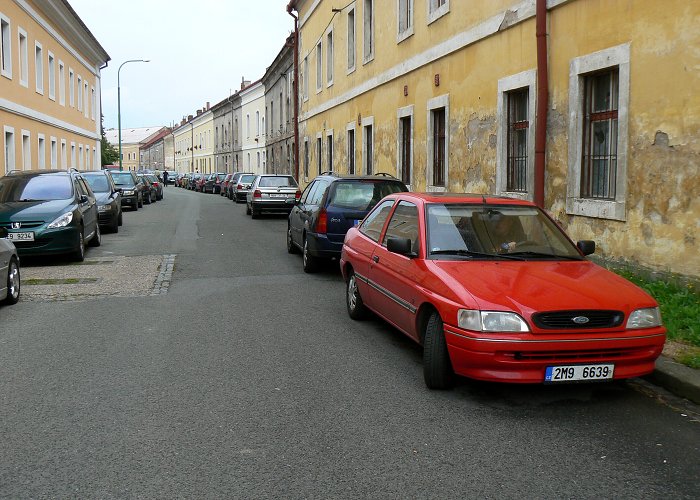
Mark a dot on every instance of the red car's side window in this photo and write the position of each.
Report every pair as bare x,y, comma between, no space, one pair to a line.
404,224
374,222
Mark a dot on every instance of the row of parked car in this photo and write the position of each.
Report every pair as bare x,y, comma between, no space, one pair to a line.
492,287
60,212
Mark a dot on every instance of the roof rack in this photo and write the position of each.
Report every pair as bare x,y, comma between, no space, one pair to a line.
327,172
13,171
73,169
384,174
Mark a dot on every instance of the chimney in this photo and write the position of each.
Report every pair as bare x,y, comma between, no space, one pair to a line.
244,82
207,105
189,117
199,112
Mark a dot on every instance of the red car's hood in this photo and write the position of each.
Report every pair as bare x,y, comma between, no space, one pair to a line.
527,287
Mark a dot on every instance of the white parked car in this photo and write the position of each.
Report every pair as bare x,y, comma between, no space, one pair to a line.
9,270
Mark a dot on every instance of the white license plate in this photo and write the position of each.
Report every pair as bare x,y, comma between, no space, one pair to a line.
278,195
28,236
573,373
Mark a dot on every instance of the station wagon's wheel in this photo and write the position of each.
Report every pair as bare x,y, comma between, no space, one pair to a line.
437,368
79,254
96,240
254,213
356,307
291,247
309,262
13,284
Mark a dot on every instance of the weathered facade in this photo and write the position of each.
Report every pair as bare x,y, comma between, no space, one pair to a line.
444,95
279,125
50,85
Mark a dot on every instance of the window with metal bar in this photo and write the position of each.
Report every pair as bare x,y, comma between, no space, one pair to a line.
518,125
439,146
599,162
405,124
351,152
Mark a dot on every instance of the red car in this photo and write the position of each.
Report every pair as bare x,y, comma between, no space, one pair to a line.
494,290
224,184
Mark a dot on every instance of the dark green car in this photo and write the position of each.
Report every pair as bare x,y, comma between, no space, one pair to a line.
49,212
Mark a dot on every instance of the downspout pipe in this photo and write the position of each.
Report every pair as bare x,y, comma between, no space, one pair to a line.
290,7
542,100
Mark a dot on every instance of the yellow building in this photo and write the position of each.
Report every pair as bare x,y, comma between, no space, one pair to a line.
132,142
49,87
203,140
444,94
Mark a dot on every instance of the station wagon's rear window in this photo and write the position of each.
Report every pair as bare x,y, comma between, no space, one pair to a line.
277,181
362,195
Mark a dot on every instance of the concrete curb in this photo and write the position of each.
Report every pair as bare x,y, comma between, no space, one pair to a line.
676,378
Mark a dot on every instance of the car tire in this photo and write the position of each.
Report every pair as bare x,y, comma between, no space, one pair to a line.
254,213
96,240
115,227
308,261
120,222
79,254
13,282
356,307
437,368
147,201
140,202
291,247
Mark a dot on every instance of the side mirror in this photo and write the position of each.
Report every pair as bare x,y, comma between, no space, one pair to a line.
83,198
587,247
401,246
3,232
119,190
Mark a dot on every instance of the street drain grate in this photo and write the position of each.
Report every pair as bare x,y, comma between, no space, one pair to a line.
64,281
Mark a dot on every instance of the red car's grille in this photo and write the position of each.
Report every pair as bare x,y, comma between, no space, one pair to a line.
578,319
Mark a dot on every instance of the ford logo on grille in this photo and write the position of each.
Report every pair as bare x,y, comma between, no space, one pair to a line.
580,320
16,225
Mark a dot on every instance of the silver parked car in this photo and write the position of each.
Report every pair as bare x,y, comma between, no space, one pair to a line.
241,187
272,193
9,270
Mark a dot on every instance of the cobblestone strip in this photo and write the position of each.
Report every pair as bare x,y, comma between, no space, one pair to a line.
162,283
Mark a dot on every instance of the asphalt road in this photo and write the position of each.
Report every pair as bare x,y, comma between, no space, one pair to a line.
248,380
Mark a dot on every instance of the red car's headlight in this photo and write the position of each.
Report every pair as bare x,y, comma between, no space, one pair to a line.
491,321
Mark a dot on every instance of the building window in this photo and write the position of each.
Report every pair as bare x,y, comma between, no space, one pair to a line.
516,135
23,58
247,128
350,153
80,93
5,47
306,157
600,114
54,153
405,144
61,83
281,113
351,40
329,59
26,150
319,67
368,145
93,101
405,19
257,124
437,9
39,62
319,163
41,151
64,154
438,140
329,150
86,102
52,77
518,124
305,77
71,87
9,147
368,24
72,155
598,132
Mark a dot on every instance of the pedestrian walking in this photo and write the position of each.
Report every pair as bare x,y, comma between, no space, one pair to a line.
165,178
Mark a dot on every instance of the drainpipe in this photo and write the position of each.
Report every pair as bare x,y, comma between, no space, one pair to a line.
542,101
290,7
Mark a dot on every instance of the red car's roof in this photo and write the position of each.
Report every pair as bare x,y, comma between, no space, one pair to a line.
487,199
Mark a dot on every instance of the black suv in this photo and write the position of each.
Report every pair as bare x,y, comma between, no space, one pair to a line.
329,206
49,212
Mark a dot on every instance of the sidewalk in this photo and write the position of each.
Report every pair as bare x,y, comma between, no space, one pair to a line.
676,378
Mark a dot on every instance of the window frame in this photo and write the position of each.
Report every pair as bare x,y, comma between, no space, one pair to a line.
330,62
51,70
61,83
368,32
350,150
408,30
319,153
387,224
367,151
329,149
9,149
54,153
307,158
434,104
526,79
401,115
435,13
23,57
579,68
41,151
371,217
71,89
26,149
319,66
39,67
5,46
351,40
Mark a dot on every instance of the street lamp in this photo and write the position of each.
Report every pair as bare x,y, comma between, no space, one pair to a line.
119,105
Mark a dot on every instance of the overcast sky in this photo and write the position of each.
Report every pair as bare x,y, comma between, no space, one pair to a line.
199,52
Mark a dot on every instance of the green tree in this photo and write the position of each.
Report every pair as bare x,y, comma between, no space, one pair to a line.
110,155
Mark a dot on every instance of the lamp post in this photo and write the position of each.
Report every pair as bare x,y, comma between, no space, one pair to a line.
119,105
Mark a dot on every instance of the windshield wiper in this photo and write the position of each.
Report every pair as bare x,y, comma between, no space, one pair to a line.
469,253
544,254
26,200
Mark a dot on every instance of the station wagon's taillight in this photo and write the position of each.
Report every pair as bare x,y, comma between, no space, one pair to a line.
240,186
322,222
297,195
257,194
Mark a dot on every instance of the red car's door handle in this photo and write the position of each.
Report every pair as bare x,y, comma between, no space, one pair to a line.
375,258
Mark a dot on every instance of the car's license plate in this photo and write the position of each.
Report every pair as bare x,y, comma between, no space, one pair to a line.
572,373
356,222
278,195
27,236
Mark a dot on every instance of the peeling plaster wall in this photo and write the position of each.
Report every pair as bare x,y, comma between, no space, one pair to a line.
661,222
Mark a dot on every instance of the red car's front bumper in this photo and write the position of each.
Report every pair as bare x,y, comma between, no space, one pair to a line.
506,358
